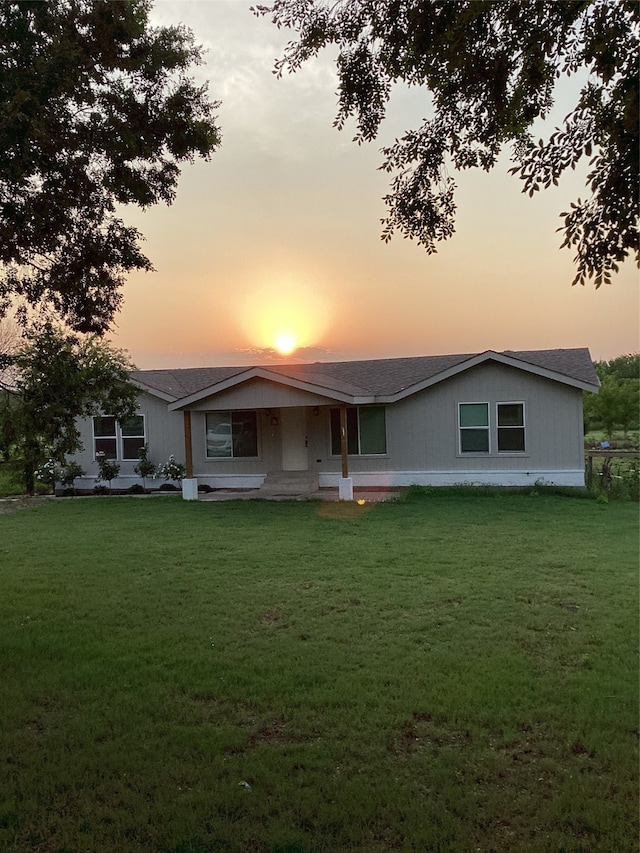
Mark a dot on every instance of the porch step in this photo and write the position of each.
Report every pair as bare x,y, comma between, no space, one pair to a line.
289,483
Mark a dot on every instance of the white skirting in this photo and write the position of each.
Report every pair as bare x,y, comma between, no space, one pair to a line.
377,479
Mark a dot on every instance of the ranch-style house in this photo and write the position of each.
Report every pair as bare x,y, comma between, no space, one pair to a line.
495,418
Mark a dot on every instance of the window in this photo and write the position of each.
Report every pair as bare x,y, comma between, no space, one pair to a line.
118,440
231,435
366,431
510,427
132,432
104,437
474,427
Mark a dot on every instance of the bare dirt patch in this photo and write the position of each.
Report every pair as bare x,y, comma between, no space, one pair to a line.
22,502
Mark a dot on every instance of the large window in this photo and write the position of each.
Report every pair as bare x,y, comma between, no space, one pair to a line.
366,431
510,427
231,434
119,440
474,427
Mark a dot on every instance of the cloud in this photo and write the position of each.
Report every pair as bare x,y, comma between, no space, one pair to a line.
262,355
239,60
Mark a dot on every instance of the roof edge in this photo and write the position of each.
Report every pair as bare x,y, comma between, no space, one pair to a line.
270,376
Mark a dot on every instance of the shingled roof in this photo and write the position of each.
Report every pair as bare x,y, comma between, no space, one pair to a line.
380,379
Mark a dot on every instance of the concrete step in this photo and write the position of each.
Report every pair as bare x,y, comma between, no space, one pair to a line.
289,483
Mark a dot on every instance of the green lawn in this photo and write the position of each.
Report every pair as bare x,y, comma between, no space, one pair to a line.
452,672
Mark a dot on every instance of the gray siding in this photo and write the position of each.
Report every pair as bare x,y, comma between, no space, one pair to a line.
422,430
260,394
164,432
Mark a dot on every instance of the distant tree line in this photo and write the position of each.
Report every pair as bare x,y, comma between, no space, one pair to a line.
617,406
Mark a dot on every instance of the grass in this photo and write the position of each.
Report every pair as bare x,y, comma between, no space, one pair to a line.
451,672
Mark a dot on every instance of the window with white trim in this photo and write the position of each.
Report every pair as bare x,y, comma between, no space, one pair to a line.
473,423
510,425
231,435
366,431
119,440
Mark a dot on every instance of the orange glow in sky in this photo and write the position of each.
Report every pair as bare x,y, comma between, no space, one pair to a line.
274,244
282,315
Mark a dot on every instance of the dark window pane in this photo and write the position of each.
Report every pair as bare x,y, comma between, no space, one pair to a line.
474,414
131,447
373,436
474,440
335,432
510,414
244,428
352,432
106,446
132,426
511,440
104,426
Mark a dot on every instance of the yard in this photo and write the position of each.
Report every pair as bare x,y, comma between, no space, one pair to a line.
451,672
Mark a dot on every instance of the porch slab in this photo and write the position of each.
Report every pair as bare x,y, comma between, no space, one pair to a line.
325,494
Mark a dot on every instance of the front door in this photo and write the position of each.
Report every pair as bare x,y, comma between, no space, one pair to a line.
295,456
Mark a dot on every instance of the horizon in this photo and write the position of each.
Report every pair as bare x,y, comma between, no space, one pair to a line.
282,360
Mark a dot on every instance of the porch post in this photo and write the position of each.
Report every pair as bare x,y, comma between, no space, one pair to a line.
190,483
345,484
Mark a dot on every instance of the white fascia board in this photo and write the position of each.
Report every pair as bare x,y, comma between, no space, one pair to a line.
545,372
269,376
481,358
148,389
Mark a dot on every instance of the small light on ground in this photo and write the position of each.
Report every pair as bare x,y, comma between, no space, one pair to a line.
361,502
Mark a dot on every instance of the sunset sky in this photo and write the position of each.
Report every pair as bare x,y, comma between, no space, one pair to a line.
279,235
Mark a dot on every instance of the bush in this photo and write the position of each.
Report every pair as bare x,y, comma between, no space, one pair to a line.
145,467
107,468
616,479
172,470
68,475
48,473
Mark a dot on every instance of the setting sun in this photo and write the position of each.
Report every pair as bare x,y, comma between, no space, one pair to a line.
285,343
283,314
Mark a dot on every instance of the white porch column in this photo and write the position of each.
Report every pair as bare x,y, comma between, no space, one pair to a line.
345,488
345,483
190,489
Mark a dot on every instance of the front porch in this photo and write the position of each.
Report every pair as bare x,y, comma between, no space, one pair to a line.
272,451
327,493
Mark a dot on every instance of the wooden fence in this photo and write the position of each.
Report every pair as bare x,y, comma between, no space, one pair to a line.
607,456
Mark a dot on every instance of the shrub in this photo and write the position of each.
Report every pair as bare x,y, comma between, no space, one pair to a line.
68,476
172,470
617,479
48,473
145,467
107,468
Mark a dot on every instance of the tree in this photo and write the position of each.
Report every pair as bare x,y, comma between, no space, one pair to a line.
618,402
622,367
62,376
10,339
98,112
490,69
